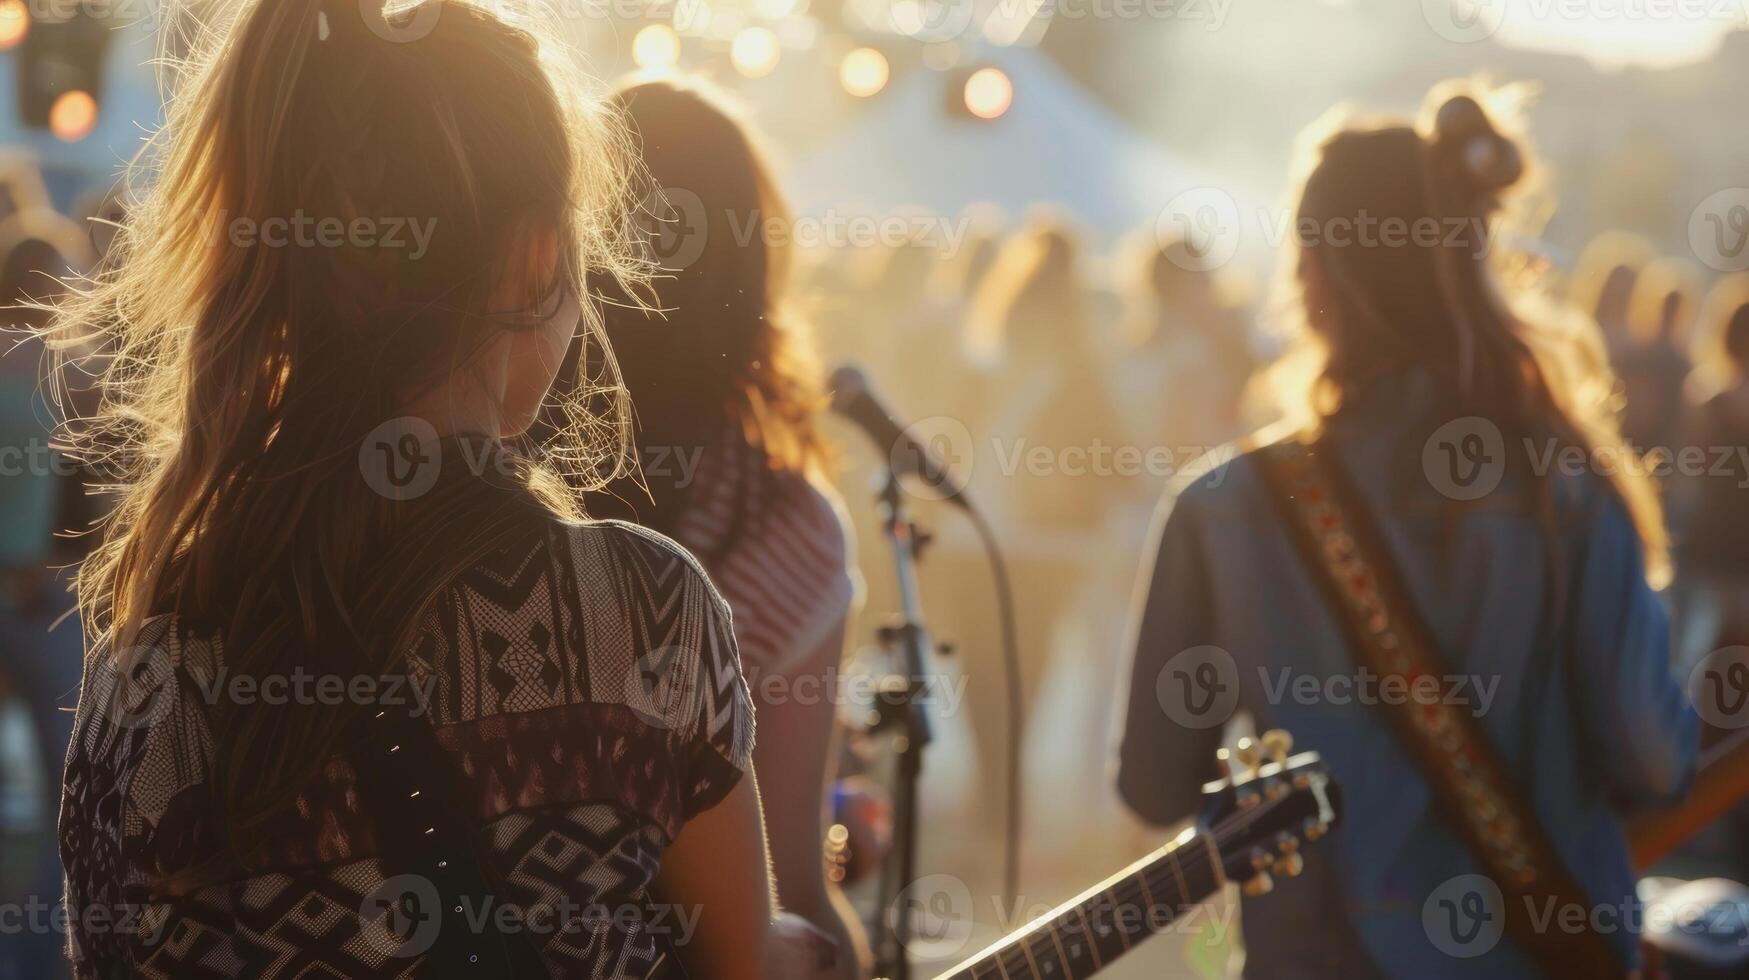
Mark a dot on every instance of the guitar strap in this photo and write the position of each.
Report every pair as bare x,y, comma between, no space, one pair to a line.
1385,631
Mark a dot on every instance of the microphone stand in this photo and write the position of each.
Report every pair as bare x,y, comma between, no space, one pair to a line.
901,706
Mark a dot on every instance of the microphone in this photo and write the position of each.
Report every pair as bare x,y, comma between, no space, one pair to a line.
853,398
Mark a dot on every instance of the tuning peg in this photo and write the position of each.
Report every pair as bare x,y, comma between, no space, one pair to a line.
1249,756
1258,884
1313,828
1224,762
1277,743
1290,865
1286,843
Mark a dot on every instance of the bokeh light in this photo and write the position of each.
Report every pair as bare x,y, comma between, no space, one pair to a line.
73,116
656,46
863,72
989,93
14,23
754,52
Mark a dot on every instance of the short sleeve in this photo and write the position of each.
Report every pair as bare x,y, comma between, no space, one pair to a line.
687,663
722,751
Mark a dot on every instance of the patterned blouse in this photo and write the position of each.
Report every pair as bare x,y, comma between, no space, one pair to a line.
590,691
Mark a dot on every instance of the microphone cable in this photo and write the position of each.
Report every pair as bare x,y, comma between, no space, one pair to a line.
1016,722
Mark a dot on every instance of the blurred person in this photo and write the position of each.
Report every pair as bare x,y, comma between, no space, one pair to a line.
40,495
1655,365
1185,354
1038,408
1542,587
732,464
315,445
1713,538
1602,283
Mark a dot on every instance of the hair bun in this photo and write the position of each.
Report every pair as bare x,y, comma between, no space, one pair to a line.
1465,135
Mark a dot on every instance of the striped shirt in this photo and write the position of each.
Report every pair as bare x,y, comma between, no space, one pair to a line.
776,543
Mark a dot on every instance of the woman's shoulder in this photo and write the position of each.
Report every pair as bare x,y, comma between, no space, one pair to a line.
582,613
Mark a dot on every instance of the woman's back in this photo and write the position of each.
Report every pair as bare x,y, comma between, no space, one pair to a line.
1581,704
586,683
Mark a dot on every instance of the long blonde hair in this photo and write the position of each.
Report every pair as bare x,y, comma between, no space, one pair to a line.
1443,306
240,378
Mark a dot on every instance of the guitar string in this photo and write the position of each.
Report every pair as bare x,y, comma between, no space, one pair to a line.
1138,886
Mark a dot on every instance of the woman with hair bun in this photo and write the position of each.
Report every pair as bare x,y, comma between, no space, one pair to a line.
1406,527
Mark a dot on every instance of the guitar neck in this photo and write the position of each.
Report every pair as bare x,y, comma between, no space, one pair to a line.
1082,936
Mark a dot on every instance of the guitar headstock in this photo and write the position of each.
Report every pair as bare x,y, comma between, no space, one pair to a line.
1260,813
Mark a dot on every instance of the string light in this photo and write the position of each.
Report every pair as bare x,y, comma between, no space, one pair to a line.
988,93
863,72
73,115
656,46
754,52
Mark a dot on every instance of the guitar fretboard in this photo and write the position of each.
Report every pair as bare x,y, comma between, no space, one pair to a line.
1101,924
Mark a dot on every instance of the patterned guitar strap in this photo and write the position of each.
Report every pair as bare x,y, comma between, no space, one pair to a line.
1346,555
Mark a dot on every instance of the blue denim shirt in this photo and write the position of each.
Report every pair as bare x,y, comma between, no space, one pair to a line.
1582,707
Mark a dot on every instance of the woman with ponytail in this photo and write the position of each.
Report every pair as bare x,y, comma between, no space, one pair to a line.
366,696
1447,410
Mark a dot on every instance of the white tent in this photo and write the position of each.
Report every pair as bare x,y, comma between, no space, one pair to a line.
1055,145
